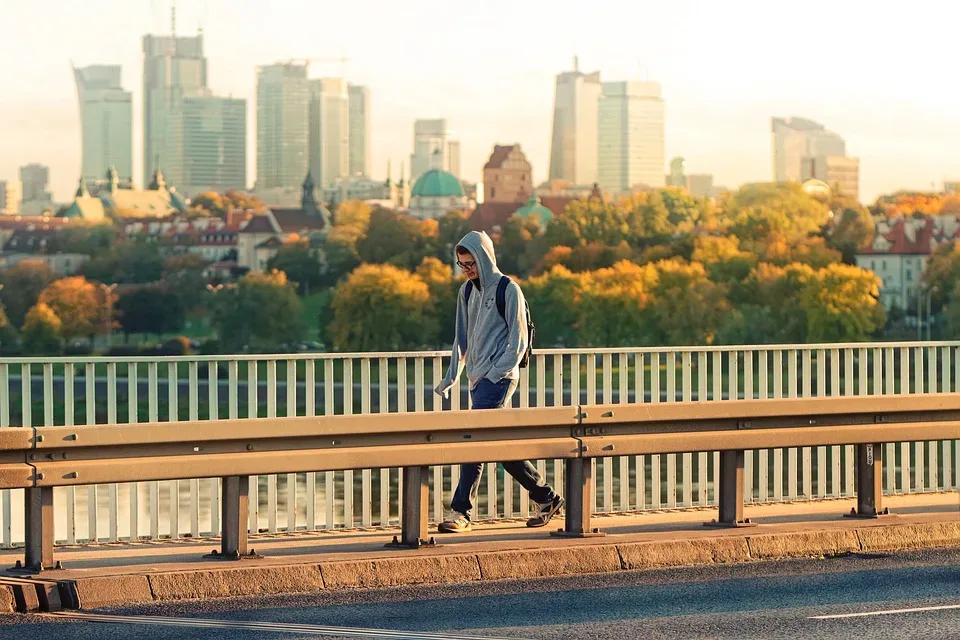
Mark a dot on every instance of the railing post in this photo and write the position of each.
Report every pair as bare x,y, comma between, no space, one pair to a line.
580,498
416,505
730,492
234,510
869,482
38,529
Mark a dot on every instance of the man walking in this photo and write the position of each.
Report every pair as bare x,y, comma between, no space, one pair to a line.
490,344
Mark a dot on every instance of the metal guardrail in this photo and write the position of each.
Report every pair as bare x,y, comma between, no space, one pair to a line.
40,458
94,390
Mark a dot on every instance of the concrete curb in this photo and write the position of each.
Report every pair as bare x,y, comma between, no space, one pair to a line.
602,556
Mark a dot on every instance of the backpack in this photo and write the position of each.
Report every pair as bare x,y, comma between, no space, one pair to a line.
502,308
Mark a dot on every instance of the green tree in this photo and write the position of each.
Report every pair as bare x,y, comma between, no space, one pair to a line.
151,310
41,331
723,259
300,262
452,226
585,221
22,284
80,305
398,239
261,312
128,262
184,276
517,245
853,230
88,239
554,300
382,307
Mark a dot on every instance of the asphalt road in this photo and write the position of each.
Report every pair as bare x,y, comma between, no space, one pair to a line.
768,600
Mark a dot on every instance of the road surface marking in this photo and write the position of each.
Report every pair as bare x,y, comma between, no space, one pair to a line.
886,612
275,627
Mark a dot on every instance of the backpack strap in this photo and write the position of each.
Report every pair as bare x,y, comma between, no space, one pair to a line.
502,296
467,292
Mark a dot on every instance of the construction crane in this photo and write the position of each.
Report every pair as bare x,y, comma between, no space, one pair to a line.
306,61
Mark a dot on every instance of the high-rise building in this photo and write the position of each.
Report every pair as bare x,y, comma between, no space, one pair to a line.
106,121
10,196
34,179
700,185
574,145
283,126
453,157
214,134
797,138
329,144
630,136
678,173
360,130
173,68
429,138
841,173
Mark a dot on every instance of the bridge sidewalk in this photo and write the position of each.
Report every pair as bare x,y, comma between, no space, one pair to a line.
106,574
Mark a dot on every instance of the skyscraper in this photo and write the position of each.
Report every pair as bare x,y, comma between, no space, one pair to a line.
173,68
10,196
797,138
283,126
429,136
329,144
106,121
453,157
630,136
214,134
573,148
34,179
360,130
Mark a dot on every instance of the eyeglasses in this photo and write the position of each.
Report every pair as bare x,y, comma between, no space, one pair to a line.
466,265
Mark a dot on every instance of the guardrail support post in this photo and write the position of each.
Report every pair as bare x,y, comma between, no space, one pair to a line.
416,507
869,482
234,515
580,497
730,492
38,529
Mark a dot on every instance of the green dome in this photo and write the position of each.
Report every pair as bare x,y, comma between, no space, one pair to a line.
534,206
437,183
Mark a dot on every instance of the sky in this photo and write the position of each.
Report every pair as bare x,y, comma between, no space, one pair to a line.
883,75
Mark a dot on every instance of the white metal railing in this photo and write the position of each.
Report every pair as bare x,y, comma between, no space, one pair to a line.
66,391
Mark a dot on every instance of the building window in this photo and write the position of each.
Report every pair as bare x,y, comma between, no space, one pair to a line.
883,265
493,193
873,265
909,275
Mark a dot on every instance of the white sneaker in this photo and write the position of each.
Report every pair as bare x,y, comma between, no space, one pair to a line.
455,523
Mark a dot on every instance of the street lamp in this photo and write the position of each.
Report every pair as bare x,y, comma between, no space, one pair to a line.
108,290
930,293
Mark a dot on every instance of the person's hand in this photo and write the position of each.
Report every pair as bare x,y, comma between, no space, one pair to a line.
443,389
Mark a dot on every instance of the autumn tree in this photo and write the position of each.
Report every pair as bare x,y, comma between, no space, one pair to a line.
300,262
261,312
22,284
841,303
444,289
687,306
351,220
613,306
81,306
517,245
381,307
723,259
41,331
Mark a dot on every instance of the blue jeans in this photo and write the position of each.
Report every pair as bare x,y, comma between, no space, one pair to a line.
489,395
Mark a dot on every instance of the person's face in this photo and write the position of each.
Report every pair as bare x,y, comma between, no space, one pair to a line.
466,262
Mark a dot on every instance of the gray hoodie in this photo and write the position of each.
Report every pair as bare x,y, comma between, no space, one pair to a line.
489,347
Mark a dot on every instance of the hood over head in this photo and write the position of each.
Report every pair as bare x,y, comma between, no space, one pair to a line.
479,244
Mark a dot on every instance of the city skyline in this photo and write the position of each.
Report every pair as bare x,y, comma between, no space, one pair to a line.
721,81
